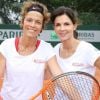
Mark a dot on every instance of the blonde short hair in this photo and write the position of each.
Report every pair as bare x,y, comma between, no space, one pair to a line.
27,5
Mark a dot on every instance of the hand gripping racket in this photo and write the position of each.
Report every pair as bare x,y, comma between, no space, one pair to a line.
86,87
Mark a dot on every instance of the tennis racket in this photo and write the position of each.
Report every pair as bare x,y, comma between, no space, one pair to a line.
87,87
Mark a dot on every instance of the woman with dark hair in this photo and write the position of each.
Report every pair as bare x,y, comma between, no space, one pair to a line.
73,54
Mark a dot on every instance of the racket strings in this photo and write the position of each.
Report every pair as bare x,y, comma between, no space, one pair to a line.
86,87
69,88
82,85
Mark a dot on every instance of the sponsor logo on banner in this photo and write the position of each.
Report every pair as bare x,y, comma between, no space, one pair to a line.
50,35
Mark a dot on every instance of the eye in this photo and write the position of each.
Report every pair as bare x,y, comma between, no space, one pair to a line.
57,24
38,22
29,20
66,23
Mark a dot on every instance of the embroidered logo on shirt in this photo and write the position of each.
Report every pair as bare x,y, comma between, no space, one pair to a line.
78,64
39,61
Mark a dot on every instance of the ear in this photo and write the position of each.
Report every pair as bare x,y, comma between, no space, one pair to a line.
75,26
21,23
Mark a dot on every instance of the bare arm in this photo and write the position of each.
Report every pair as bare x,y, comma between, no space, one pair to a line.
54,67
47,73
2,68
97,74
56,70
97,63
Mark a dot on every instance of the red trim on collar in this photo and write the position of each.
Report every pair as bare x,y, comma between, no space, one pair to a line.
17,43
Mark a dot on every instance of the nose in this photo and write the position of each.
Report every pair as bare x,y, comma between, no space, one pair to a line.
33,23
62,27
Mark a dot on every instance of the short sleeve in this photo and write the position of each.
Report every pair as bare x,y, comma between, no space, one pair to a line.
3,47
93,54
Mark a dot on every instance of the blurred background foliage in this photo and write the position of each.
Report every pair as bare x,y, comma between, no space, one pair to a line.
88,10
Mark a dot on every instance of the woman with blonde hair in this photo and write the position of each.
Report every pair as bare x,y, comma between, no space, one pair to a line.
22,59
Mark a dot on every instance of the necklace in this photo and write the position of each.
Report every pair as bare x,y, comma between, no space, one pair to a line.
25,51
